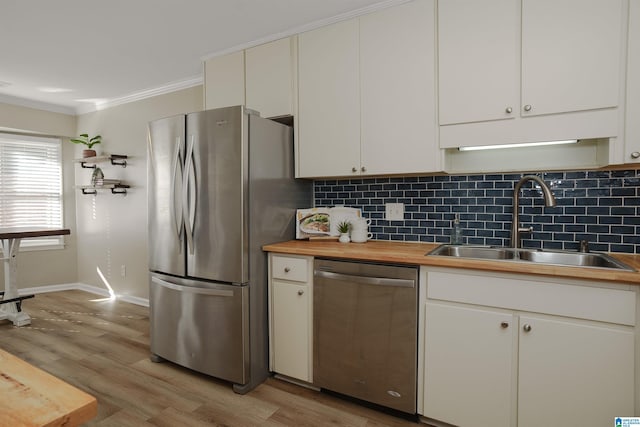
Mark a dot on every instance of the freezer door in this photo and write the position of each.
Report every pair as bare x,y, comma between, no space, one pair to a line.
165,155
201,326
215,195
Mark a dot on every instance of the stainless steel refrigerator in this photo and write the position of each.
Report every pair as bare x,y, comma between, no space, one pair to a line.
221,185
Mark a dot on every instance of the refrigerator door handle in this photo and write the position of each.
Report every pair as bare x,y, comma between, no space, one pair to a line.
189,195
192,289
176,202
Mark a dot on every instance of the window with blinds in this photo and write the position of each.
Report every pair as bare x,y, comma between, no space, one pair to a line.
31,185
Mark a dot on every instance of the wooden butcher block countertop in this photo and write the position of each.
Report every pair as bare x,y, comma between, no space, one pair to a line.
414,253
32,397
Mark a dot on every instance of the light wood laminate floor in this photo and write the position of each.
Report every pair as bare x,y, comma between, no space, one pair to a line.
102,347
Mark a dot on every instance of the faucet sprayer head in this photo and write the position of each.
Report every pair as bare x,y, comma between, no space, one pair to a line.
549,198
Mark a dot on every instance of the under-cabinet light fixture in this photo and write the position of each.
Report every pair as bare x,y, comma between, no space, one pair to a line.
525,144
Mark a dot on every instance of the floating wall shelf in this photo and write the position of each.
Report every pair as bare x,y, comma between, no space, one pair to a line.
93,189
114,159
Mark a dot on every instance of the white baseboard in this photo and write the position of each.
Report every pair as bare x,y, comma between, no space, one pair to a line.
83,287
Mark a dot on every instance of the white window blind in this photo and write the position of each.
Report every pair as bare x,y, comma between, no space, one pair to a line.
31,185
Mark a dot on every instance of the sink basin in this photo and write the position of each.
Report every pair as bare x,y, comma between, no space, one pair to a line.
537,256
479,252
578,259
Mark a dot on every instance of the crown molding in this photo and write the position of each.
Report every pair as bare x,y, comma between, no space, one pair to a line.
144,94
307,27
37,105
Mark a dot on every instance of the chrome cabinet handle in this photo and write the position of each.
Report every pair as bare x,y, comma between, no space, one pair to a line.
300,292
635,155
287,269
527,107
508,110
504,325
526,327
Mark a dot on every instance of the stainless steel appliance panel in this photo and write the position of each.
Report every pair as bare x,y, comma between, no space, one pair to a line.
201,325
365,332
273,195
164,172
215,174
235,192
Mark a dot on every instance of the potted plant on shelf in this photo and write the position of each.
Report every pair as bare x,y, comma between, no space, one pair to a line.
89,142
343,229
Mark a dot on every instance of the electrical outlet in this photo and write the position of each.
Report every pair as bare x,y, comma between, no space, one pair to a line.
394,211
123,270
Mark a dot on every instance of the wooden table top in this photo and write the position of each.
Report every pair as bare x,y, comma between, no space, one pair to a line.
32,397
414,253
26,232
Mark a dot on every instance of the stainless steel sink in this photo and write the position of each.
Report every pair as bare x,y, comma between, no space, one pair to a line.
537,256
479,252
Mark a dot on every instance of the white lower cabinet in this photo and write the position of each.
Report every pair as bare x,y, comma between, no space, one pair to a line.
506,350
573,372
290,316
460,341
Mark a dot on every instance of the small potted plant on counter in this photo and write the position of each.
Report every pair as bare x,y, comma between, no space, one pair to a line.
343,229
89,142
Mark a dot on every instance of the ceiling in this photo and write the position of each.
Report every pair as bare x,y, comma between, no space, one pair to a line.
73,56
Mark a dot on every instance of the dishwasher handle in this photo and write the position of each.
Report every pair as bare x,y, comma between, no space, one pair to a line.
365,280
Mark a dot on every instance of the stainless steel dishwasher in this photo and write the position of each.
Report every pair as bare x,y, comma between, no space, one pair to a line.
365,331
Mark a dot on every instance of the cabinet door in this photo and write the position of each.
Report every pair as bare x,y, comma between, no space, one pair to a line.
570,55
398,101
224,81
468,365
571,373
329,101
291,330
478,60
632,130
269,78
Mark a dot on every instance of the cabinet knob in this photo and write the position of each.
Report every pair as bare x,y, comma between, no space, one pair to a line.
508,110
300,292
354,169
526,327
635,155
527,107
363,169
504,325
287,269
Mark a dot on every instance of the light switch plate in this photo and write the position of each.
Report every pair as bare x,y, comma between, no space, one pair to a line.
394,211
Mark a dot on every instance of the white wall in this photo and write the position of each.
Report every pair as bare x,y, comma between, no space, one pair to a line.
36,268
112,229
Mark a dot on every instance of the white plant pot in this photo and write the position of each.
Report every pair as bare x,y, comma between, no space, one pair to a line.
344,238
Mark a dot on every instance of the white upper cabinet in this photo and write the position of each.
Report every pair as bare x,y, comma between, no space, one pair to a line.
552,67
224,81
329,101
571,53
270,71
262,78
366,95
632,130
478,60
397,81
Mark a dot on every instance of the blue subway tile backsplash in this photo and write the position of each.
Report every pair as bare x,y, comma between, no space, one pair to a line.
602,207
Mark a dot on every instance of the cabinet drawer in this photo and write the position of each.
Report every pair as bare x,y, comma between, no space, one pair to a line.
289,268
